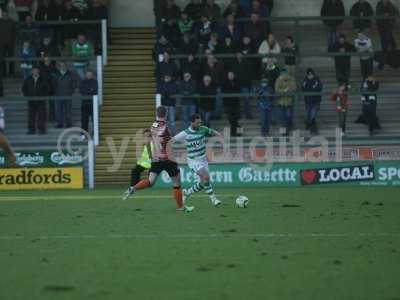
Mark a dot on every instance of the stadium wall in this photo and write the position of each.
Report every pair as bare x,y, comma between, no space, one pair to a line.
140,13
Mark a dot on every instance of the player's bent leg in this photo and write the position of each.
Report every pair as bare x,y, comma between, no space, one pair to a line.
205,180
141,185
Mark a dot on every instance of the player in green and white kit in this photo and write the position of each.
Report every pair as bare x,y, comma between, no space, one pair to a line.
195,139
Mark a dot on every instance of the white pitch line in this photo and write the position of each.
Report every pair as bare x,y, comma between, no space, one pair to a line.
200,236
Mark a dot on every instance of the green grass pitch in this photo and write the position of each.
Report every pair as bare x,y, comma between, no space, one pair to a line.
310,243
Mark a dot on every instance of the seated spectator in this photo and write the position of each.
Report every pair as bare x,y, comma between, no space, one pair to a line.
187,88
290,61
171,31
65,84
269,46
185,24
386,8
312,84
207,91
340,99
286,84
191,66
194,9
88,87
210,8
7,43
82,50
232,103
343,63
246,72
361,9
255,30
168,89
363,44
26,56
167,67
97,11
235,9
36,86
23,8
203,30
264,100
169,11
227,49
231,30
332,8
162,45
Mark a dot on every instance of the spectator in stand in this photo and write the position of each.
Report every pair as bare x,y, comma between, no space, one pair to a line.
88,88
246,46
191,66
11,9
161,46
203,30
65,84
7,43
235,9
29,32
214,44
36,86
185,24
361,9
168,90
386,8
343,62
369,87
269,46
97,11
232,103
340,99
48,49
26,55
171,31
290,47
82,50
167,67
188,89
227,49
255,30
187,45
23,8
194,10
286,84
264,102
210,8
312,84
262,10
47,71
169,11
81,5
231,30
69,32
271,72
332,8
48,10
246,72
207,91
363,45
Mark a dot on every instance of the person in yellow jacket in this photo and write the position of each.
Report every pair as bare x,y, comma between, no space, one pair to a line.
144,162
285,84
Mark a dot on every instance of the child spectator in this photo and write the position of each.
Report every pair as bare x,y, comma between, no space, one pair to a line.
340,99
312,84
88,87
363,45
26,62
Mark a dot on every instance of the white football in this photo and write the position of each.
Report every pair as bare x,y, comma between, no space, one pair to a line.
242,201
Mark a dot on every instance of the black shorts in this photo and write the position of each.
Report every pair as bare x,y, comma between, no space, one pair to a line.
165,165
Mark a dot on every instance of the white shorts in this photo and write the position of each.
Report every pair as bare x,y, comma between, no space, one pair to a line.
197,164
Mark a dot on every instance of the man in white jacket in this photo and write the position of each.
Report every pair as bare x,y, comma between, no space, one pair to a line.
363,45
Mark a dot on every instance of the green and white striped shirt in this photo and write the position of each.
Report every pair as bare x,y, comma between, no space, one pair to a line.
195,141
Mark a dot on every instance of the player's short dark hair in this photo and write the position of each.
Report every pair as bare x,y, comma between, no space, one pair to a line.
161,112
194,117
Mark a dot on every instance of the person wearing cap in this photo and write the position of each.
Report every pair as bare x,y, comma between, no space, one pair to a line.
285,84
312,84
264,94
343,61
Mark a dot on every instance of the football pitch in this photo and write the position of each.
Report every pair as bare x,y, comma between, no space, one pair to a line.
305,243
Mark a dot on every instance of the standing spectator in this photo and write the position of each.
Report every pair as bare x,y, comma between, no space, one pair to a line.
207,91
246,72
7,42
227,48
171,31
168,90
47,71
23,8
386,9
264,100
82,50
48,49
343,62
81,5
11,9
269,46
312,84
340,99
49,10
363,45
361,9
161,46
369,87
231,30
286,84
255,30
187,88
232,103
246,46
185,24
65,85
36,86
191,66
271,72
332,8
167,67
290,47
169,11
26,56
204,29
260,9
235,9
212,9
29,32
88,88
69,32
194,9
97,11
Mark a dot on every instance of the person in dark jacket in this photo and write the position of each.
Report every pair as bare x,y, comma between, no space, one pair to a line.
343,63
332,8
47,71
231,30
168,89
167,66
255,30
386,8
65,84
88,87
207,91
312,84
232,103
264,102
171,31
168,11
36,86
234,8
191,66
361,9
7,43
203,30
162,45
212,9
291,48
194,9
187,88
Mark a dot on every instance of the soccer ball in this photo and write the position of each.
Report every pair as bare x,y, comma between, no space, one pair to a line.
242,201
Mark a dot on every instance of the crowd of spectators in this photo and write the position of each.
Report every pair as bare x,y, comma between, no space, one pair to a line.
203,52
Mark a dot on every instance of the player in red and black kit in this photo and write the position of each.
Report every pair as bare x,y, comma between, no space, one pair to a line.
160,161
